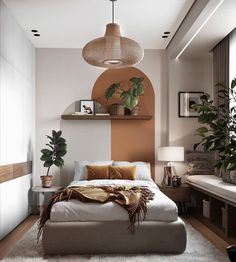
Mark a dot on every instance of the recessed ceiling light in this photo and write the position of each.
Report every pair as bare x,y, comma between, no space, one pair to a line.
34,31
164,36
167,33
36,34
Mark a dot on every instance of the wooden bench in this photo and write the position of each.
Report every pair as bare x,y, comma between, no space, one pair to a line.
221,200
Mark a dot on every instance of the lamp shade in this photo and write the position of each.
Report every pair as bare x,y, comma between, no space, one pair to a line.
112,50
170,153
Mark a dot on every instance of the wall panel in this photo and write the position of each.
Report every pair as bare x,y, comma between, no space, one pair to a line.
17,108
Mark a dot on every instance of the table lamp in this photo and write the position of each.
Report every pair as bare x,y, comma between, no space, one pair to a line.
169,154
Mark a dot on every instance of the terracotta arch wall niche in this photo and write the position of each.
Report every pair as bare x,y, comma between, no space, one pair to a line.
132,140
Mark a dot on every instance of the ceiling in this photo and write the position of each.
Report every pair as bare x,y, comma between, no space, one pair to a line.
73,23
219,25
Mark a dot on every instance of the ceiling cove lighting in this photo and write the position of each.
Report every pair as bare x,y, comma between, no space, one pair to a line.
199,29
112,50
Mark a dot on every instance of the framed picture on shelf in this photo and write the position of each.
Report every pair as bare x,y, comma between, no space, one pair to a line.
187,100
87,107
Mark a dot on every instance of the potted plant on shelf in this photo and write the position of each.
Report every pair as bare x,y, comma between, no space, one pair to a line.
219,131
52,155
130,97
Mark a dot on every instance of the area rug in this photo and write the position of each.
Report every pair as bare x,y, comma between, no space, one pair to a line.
198,249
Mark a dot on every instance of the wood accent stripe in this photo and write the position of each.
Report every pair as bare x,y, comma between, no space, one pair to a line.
12,171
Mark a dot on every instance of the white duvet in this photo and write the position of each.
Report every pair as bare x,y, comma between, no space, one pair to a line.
161,208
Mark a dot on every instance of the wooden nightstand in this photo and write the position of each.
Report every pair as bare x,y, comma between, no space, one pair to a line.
41,194
180,195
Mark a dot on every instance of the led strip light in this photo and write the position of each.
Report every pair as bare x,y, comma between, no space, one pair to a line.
199,29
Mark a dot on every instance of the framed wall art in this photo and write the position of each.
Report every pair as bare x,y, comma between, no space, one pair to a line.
87,107
186,102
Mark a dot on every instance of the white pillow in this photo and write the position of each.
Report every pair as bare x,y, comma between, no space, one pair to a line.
143,169
80,168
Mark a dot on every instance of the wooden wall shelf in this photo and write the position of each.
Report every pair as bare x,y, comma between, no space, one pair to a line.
111,117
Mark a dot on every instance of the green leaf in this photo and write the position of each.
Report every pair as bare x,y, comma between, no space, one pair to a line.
46,158
233,83
140,90
49,137
136,80
61,140
62,152
48,163
57,145
221,84
111,90
59,163
202,130
231,166
195,146
217,164
49,146
205,97
135,92
209,145
59,133
46,151
54,134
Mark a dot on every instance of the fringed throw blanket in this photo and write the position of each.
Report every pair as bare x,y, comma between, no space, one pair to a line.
133,199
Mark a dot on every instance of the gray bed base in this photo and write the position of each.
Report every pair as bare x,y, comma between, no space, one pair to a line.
113,237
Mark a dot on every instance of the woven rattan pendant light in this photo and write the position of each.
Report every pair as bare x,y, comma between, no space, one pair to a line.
112,50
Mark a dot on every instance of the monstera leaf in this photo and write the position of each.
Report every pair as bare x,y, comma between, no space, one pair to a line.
129,97
129,101
111,90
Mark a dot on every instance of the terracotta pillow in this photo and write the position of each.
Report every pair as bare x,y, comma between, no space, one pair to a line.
122,172
97,172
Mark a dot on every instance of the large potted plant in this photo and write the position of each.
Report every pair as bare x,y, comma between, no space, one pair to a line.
52,155
130,97
219,131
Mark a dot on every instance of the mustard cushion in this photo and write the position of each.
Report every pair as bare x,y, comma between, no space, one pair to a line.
97,172
122,172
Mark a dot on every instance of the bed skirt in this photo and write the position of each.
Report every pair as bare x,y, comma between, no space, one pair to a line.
113,237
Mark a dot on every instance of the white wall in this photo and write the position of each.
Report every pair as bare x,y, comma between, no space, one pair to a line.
17,77
63,77
185,75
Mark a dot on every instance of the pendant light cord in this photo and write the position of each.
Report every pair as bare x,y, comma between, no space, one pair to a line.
113,11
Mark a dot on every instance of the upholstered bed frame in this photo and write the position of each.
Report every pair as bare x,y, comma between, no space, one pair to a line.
113,237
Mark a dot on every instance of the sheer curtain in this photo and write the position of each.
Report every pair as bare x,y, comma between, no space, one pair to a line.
232,55
221,65
220,71
232,63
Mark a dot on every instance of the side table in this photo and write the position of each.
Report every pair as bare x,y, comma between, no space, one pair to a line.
180,195
42,191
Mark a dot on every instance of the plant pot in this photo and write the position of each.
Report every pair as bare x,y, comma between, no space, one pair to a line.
117,109
127,111
135,111
46,181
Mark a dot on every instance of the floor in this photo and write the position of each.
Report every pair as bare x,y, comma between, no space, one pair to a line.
7,242
15,235
218,242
